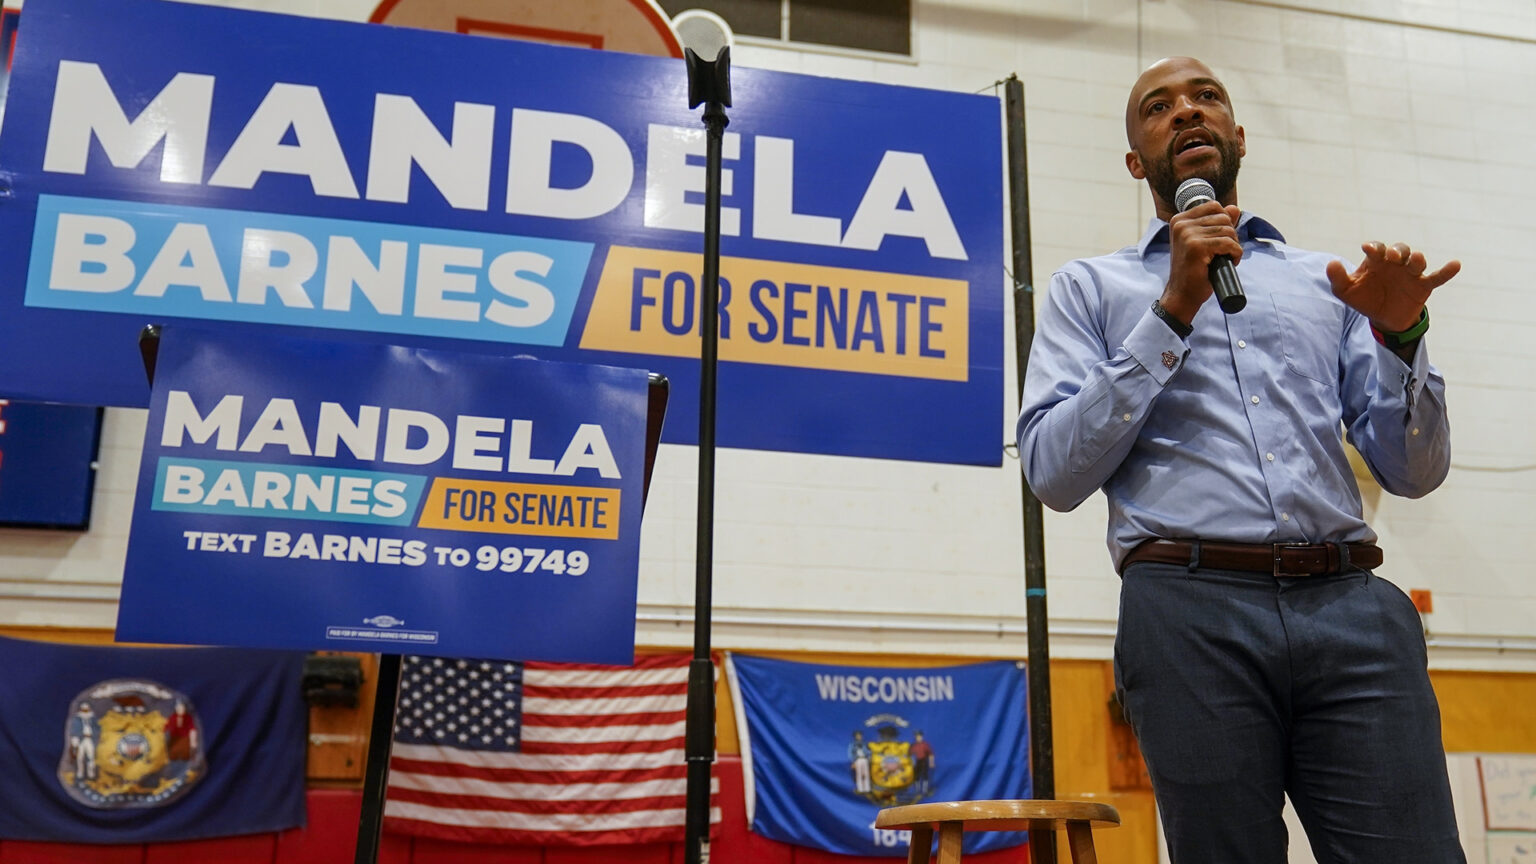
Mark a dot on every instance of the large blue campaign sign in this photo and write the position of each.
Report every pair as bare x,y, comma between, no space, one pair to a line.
303,494
374,184
831,746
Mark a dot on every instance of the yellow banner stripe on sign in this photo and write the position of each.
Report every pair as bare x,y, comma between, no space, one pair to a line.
784,314
521,508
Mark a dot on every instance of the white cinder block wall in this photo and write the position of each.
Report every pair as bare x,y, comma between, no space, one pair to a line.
1407,120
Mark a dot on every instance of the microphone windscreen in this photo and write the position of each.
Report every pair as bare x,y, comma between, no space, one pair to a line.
1192,193
704,32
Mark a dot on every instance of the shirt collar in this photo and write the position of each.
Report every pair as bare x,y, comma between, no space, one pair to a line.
1249,227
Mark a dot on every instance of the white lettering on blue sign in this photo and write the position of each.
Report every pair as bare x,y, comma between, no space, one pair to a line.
370,433
902,198
279,488
197,262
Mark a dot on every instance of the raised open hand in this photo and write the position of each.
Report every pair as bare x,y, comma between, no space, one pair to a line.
1390,286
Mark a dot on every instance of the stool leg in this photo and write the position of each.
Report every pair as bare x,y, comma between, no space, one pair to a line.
950,835
1042,846
1080,836
922,844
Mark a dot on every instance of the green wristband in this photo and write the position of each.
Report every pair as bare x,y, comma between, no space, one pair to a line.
1406,337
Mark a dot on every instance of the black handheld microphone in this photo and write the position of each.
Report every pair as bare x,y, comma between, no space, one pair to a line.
1229,291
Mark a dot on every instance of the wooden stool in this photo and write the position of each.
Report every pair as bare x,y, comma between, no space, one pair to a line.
953,818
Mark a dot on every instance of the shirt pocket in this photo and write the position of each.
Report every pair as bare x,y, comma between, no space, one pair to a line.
1311,330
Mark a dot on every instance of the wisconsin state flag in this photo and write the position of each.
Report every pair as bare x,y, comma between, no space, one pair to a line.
825,748
100,744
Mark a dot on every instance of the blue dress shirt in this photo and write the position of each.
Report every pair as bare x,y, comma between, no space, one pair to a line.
1232,434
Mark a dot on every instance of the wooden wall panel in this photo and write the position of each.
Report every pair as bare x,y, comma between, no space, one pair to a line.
70,635
338,736
1080,717
1487,712
1082,735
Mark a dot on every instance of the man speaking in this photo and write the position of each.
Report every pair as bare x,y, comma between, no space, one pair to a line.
1257,652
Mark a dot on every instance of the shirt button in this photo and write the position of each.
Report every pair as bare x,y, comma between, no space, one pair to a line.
1254,400
1415,430
1269,456
1127,418
1242,344
1285,517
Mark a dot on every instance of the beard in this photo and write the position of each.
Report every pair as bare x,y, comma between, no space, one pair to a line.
1223,178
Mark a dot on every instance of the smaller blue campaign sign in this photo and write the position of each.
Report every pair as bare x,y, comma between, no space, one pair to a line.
831,746
306,494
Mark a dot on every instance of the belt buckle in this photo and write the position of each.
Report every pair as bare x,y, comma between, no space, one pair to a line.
1276,549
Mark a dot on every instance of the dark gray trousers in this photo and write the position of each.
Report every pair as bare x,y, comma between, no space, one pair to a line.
1243,687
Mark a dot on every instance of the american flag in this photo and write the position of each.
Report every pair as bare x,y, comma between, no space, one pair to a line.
491,751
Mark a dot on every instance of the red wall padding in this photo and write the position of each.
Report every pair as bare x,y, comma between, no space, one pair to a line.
331,838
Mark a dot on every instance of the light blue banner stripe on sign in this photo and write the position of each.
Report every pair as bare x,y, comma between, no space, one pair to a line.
286,491
165,261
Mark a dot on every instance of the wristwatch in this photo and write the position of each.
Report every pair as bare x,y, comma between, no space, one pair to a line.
1179,328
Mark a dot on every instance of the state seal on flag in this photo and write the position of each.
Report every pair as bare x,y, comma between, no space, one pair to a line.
889,768
130,743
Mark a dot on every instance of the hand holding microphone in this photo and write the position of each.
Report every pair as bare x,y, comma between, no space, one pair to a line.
1203,236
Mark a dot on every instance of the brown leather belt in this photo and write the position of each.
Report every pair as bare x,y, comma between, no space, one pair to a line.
1279,559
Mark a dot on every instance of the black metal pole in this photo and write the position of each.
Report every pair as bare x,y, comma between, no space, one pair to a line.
709,83
381,736
1042,752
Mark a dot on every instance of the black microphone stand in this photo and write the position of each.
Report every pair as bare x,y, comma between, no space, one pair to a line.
709,82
